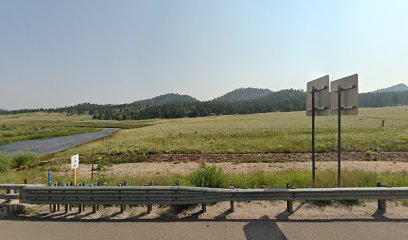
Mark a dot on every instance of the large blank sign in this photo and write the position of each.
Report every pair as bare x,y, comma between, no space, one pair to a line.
320,87
349,95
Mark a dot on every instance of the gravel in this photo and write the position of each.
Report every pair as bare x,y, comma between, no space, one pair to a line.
55,144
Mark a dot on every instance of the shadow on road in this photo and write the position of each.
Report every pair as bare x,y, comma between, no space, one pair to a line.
263,228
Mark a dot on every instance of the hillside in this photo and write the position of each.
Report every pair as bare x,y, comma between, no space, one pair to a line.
396,88
243,94
169,98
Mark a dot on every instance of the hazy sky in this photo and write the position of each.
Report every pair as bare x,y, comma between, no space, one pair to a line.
57,53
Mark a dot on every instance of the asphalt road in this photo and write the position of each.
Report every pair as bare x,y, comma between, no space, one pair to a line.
239,229
55,144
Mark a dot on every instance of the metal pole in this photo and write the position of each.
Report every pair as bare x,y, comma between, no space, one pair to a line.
92,169
313,138
339,136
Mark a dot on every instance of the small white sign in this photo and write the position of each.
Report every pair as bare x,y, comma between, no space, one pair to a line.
75,161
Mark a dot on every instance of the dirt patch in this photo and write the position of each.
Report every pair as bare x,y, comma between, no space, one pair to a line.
246,157
279,157
220,211
184,168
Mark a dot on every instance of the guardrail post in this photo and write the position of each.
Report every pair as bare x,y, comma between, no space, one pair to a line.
83,205
289,203
232,207
176,206
79,205
66,205
70,205
382,207
54,206
8,192
149,206
122,206
58,205
204,204
94,205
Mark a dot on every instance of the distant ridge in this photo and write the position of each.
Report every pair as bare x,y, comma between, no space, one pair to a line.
396,88
244,94
169,98
239,101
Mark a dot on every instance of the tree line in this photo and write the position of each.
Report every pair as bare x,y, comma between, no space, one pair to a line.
282,101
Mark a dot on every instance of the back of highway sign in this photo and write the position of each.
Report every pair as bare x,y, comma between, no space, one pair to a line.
322,96
349,95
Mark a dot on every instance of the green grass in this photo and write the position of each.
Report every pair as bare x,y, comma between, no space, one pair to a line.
39,125
257,133
217,178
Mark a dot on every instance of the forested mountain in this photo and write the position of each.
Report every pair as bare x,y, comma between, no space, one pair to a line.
178,106
169,98
244,94
284,100
383,99
396,88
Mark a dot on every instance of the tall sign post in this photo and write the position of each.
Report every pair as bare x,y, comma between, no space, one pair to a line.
344,101
318,103
75,166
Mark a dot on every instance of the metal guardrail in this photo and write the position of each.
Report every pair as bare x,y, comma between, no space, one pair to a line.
181,195
175,195
17,187
12,190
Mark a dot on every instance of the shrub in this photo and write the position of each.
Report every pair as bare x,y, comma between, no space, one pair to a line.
23,159
4,163
210,176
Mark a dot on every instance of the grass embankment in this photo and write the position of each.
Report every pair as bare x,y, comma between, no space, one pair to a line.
214,177
28,126
257,133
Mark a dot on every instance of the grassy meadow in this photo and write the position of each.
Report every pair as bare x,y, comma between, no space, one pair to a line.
285,132
257,133
27,126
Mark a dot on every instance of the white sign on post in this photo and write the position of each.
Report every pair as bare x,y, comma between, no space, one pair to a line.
75,161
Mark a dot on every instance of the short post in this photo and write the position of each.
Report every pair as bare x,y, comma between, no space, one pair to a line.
176,206
66,205
58,205
149,206
79,205
83,205
204,204
69,205
382,207
383,123
289,203
92,171
8,192
54,206
122,206
94,206
232,207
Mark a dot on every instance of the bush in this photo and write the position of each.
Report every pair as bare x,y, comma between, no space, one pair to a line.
210,176
23,159
4,163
